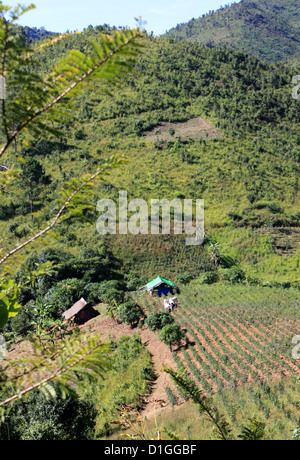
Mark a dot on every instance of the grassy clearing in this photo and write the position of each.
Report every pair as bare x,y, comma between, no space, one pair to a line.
196,128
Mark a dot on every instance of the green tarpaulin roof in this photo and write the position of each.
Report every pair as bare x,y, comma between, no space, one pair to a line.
158,281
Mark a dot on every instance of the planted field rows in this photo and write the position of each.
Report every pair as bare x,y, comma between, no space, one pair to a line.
235,334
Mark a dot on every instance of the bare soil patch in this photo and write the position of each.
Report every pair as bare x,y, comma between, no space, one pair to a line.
196,128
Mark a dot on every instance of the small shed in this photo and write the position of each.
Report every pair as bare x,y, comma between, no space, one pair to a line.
163,286
81,312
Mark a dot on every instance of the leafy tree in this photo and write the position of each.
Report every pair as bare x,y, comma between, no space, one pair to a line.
35,34
31,177
40,419
133,281
157,321
171,335
63,296
111,291
22,323
130,313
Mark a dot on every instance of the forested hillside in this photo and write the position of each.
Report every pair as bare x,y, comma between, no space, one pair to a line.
247,171
35,34
267,29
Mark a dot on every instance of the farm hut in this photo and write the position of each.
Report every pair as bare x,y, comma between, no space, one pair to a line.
162,286
81,312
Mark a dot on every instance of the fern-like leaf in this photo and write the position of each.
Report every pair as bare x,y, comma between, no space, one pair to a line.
204,404
31,99
54,370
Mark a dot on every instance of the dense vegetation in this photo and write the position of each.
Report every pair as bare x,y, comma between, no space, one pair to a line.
36,34
245,164
248,175
89,413
267,29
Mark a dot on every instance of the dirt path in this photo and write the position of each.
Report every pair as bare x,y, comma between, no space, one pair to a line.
156,401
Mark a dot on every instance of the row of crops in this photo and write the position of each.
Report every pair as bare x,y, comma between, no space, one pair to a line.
238,349
235,334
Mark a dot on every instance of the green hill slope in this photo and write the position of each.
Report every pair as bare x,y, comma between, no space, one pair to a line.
232,139
268,29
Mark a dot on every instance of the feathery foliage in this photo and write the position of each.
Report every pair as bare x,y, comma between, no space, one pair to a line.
204,403
40,104
254,431
53,369
31,99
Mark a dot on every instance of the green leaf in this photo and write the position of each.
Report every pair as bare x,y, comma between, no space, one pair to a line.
9,306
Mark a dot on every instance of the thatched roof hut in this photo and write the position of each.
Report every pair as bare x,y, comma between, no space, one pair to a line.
81,312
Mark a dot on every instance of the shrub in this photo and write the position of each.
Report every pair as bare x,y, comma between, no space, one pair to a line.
184,278
171,335
41,419
22,324
130,313
156,321
209,278
110,291
133,281
128,349
233,275
63,296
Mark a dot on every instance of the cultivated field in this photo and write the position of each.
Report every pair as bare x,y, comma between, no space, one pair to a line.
235,334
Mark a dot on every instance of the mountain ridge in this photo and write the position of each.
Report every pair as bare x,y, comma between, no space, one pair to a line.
260,28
